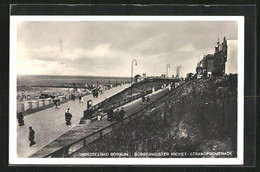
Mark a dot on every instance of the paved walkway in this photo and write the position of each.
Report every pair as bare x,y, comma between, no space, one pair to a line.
82,130
49,124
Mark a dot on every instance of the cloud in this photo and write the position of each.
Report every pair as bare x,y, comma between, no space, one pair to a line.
107,48
100,51
187,48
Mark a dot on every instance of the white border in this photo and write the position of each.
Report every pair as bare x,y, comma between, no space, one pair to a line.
14,160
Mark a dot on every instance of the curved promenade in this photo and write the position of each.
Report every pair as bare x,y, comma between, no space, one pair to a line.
49,124
82,134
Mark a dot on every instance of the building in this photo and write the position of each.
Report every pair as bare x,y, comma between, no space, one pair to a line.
213,64
220,58
189,76
178,72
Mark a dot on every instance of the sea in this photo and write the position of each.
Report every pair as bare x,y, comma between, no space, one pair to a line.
62,80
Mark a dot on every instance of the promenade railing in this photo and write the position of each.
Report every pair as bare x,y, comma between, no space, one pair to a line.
105,104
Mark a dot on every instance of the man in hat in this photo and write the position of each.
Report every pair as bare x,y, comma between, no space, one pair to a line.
68,117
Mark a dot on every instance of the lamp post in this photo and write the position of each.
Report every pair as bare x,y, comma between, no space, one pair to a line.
168,65
132,74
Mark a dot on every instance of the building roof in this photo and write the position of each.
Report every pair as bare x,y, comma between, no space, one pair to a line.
208,57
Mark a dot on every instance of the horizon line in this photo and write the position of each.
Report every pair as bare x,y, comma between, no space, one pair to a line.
73,75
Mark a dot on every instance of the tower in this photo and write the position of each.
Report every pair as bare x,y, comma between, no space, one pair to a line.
217,47
178,71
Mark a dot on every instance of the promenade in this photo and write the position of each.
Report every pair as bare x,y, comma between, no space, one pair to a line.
82,130
49,124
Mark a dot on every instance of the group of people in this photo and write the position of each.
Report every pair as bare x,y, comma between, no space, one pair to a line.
73,97
117,115
95,93
145,100
20,118
56,104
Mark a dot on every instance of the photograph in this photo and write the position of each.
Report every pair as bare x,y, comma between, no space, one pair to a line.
126,90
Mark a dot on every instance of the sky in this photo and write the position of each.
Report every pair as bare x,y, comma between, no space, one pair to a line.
107,48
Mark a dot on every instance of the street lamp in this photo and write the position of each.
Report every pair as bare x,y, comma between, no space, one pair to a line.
132,74
168,65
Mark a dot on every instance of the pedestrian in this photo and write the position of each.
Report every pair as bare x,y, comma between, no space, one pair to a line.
82,99
94,93
147,99
31,136
58,104
122,113
68,117
100,115
110,115
55,104
97,94
73,97
117,115
20,119
143,99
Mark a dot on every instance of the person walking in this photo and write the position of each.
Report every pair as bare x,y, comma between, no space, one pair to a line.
58,104
93,93
82,99
97,94
68,117
55,104
31,136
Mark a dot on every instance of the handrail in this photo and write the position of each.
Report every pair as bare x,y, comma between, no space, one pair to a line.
97,106
108,99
